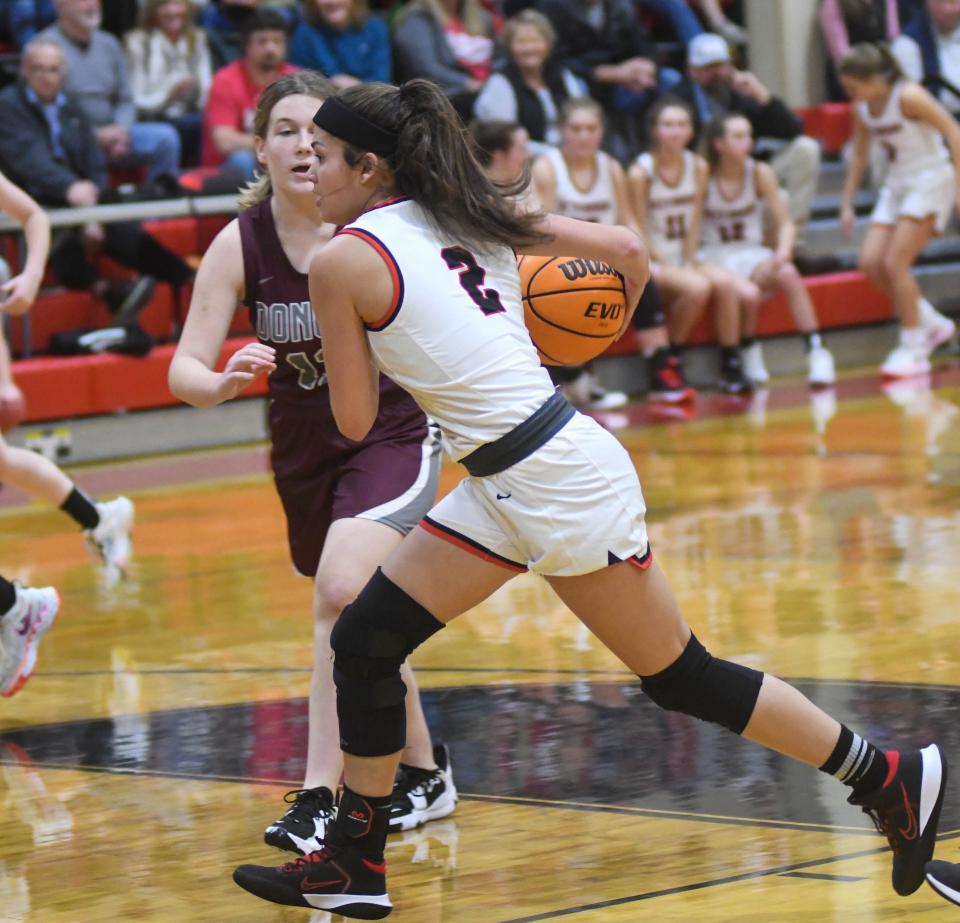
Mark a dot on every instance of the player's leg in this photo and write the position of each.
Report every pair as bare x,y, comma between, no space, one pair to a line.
667,382
687,293
405,603
634,613
909,237
107,525
733,300
871,260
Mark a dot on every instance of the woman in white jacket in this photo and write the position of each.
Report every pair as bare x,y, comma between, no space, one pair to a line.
170,69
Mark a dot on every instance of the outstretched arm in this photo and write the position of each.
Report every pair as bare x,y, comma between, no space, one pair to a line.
20,291
218,289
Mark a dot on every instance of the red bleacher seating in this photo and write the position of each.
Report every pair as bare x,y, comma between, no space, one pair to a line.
830,123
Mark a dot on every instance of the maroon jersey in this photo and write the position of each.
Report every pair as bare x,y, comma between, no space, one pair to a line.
321,476
278,300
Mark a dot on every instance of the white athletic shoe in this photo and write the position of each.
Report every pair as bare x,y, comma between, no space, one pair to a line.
20,632
905,362
937,328
111,538
753,366
820,368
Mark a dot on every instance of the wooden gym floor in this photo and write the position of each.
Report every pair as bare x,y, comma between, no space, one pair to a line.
166,718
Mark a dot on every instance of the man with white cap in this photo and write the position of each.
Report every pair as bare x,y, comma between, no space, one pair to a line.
713,87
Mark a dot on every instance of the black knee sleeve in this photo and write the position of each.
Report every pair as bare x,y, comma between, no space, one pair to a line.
698,684
649,313
371,640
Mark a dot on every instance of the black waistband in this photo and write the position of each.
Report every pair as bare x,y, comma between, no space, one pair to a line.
522,441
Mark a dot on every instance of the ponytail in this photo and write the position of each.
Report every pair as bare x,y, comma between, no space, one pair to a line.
866,60
433,163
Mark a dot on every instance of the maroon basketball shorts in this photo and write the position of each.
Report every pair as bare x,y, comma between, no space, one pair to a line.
390,477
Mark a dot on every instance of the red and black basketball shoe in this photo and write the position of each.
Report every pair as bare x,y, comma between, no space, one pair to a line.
336,879
668,384
906,809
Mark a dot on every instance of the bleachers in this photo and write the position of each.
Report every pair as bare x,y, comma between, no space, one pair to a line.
103,384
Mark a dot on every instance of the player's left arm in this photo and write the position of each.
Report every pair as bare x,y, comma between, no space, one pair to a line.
917,103
349,283
615,244
769,191
20,291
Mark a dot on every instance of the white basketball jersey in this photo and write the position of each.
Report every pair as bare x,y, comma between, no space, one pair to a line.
597,204
670,208
454,337
733,221
911,146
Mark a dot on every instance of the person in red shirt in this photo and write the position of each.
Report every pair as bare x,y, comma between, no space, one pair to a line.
235,90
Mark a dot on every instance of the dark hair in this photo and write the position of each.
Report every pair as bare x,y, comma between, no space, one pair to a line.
489,136
263,20
713,131
866,60
664,103
359,13
299,83
435,166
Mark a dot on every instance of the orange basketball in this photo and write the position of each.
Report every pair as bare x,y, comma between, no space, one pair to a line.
572,307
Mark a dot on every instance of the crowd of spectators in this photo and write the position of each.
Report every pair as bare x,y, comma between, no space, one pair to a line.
164,86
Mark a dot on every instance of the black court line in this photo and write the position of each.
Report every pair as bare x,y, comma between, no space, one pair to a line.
480,799
697,886
821,876
513,671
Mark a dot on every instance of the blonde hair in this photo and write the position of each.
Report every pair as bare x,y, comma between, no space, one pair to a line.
866,60
359,13
528,18
299,83
148,18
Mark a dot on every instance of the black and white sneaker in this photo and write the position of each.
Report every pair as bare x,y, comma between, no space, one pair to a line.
944,878
420,795
907,810
302,828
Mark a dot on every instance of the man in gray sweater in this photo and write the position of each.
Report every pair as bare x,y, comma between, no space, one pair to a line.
97,77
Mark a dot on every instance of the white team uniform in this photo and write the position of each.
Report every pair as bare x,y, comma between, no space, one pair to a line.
455,340
732,229
670,208
597,204
920,178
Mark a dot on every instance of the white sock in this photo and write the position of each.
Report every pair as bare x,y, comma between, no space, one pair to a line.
928,313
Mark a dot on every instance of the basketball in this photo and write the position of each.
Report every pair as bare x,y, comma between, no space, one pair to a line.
13,408
573,308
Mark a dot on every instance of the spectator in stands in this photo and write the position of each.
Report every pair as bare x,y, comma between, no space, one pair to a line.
531,86
603,42
225,23
25,18
687,26
48,146
97,77
847,22
449,42
714,87
928,50
235,90
343,41
170,70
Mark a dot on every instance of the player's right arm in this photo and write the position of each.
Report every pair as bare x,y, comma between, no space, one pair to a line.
217,290
544,182
639,185
858,164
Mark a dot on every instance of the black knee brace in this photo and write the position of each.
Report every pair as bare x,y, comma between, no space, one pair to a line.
649,313
371,640
698,684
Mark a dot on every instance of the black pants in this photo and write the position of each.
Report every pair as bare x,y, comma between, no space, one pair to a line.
126,242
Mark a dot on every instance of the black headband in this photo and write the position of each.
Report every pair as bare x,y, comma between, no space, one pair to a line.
348,125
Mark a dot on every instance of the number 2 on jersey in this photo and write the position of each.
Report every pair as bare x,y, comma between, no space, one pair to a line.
471,279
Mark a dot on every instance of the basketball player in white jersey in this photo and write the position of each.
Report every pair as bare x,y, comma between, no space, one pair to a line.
739,190
421,283
580,181
668,184
918,194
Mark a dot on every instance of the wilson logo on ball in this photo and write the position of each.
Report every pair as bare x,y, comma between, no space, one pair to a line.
573,308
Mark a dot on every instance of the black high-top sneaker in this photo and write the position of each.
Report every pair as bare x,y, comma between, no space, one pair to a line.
302,828
906,809
420,795
347,876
